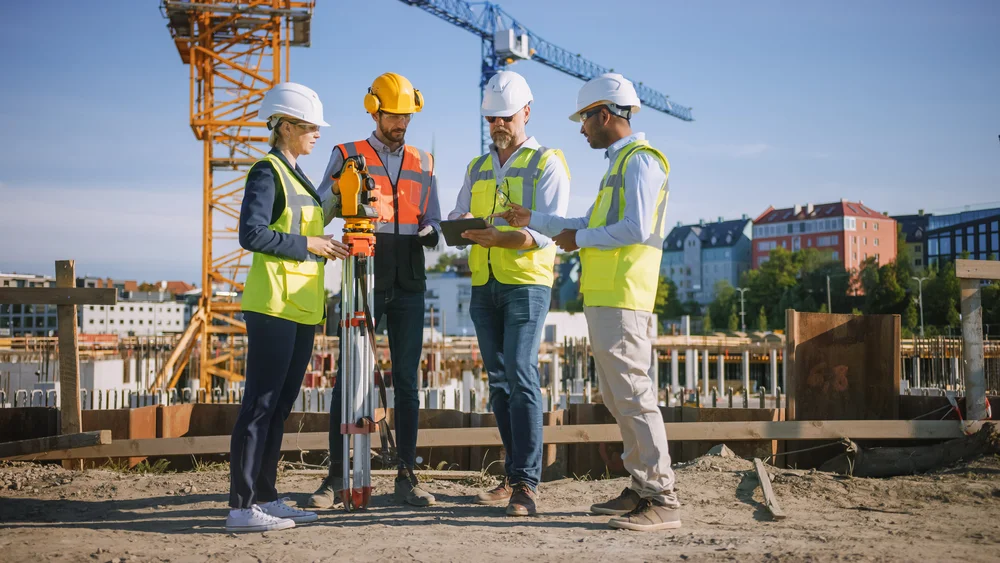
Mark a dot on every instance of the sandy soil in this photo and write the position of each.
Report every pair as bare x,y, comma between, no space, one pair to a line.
50,514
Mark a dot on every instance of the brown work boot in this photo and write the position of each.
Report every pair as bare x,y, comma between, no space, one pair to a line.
522,501
497,495
412,493
648,516
328,493
622,504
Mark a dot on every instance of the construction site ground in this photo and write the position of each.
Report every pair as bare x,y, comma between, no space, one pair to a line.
51,514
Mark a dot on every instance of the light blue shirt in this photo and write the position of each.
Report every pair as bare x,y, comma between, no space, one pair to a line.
551,195
644,176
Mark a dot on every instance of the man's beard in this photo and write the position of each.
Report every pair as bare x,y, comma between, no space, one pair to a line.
394,135
502,139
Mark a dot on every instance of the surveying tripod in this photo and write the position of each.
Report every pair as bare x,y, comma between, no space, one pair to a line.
360,413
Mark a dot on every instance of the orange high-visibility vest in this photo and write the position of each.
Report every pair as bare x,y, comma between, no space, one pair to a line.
409,200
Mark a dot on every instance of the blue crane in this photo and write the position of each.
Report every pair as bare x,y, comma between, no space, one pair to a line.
506,40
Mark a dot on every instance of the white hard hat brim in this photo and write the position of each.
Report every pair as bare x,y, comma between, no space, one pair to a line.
500,112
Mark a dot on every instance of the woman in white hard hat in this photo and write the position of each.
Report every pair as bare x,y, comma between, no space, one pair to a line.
282,223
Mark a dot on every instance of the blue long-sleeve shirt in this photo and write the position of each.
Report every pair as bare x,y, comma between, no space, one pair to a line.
644,176
262,204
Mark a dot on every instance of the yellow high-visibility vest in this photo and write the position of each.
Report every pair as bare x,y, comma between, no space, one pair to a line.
289,289
624,277
520,183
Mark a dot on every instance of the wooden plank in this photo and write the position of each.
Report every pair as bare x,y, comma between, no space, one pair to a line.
765,485
49,443
573,434
69,359
972,351
844,367
58,295
977,269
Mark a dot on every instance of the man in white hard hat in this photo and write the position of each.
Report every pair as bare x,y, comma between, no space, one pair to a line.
620,242
512,278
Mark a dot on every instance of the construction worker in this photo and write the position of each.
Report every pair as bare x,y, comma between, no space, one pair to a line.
409,213
512,278
620,242
281,222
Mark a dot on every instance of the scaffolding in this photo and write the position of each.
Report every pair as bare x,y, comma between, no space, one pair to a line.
236,51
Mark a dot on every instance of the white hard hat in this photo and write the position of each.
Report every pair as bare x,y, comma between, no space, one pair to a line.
292,100
505,94
612,89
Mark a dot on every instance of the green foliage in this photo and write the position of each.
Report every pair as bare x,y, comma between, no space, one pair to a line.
667,304
762,319
734,319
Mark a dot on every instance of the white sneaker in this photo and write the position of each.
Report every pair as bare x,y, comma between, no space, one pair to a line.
279,509
254,519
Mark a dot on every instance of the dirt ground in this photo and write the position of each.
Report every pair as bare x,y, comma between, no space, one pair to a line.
50,514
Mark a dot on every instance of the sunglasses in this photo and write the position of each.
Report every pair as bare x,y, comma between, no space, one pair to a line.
502,198
584,116
493,118
307,127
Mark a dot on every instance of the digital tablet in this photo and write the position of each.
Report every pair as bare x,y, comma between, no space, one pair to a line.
453,230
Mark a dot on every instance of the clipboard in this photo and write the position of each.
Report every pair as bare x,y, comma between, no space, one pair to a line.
453,230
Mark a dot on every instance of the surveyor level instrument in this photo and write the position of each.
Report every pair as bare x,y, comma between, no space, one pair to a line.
360,413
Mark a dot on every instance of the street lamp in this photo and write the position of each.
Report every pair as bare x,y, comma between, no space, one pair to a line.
743,317
920,286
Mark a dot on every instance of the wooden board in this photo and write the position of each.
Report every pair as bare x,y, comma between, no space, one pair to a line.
770,500
63,442
597,433
69,358
746,449
124,424
977,269
58,295
842,367
25,423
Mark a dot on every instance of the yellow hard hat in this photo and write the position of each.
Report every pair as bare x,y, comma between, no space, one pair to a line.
393,93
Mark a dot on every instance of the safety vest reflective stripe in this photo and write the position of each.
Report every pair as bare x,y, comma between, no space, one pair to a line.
625,277
413,186
284,288
520,183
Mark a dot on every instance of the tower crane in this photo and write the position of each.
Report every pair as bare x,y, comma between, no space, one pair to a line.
506,41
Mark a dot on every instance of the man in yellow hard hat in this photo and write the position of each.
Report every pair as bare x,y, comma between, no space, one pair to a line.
409,213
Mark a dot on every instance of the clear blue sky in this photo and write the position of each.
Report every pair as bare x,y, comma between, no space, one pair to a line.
893,103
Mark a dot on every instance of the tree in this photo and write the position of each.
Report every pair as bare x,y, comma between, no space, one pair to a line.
706,324
911,316
725,297
734,319
762,319
667,304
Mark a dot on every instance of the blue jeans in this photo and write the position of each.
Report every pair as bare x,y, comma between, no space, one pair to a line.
404,311
509,321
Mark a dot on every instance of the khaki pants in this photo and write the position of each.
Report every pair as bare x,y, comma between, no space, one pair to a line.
620,340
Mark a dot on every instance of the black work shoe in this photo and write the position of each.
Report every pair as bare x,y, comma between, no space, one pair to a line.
622,504
522,501
648,516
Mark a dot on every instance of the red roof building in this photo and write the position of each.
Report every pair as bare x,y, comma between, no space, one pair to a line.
850,232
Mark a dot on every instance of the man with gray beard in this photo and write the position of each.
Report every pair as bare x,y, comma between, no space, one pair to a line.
512,278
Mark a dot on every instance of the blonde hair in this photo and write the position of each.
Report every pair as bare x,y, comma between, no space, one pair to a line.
274,121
